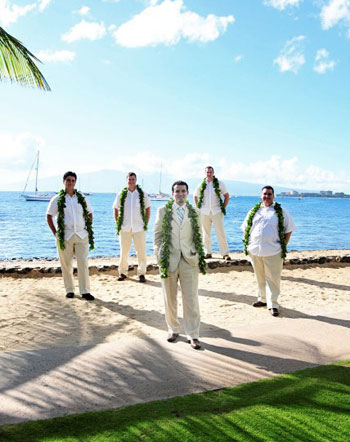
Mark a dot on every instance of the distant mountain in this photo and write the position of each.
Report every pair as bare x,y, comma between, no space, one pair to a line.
112,181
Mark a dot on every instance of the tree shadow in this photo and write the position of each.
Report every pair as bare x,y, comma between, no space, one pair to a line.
321,284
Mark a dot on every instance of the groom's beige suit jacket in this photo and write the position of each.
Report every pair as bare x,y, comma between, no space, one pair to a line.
181,239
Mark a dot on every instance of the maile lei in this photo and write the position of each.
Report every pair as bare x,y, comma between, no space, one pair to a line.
166,238
61,204
281,234
123,196
216,186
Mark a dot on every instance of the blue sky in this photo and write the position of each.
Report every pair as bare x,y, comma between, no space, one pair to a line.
257,88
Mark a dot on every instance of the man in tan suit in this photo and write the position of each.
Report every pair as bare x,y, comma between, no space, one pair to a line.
178,256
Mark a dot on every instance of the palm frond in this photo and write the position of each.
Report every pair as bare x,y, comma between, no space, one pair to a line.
17,63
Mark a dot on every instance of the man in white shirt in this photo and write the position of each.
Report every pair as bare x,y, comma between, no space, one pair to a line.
73,234
207,197
132,210
180,263
267,230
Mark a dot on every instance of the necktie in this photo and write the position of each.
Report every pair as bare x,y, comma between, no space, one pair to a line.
180,214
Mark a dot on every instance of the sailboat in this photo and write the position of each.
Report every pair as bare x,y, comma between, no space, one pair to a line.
36,196
160,196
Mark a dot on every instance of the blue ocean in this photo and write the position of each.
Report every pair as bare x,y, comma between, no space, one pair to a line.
322,224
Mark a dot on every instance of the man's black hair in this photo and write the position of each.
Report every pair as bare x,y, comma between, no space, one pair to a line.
179,183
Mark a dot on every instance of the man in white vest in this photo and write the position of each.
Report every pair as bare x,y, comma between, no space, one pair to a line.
208,198
132,211
73,234
267,230
179,251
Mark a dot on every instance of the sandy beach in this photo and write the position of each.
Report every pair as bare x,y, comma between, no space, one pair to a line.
35,313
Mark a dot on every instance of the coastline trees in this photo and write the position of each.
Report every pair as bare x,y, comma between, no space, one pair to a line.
17,63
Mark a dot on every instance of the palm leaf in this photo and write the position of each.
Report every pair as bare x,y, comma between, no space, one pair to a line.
17,63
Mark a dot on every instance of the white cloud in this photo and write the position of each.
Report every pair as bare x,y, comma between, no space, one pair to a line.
292,56
322,62
63,56
238,58
84,10
10,13
43,4
166,23
18,150
282,4
85,31
334,12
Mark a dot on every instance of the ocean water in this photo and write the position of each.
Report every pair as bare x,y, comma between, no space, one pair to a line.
322,224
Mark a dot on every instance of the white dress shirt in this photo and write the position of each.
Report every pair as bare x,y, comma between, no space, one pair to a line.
211,203
132,220
264,239
74,222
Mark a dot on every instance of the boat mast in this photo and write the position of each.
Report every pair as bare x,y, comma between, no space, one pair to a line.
36,173
160,179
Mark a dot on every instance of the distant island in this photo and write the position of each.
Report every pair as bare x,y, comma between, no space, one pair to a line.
321,194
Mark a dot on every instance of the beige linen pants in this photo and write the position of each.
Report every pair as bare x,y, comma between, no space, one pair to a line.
80,248
140,247
218,221
188,277
268,271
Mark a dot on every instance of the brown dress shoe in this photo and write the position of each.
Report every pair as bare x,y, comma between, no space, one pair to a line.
227,257
122,277
142,278
208,256
259,304
172,337
195,344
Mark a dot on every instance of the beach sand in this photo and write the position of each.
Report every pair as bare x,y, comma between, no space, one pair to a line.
34,312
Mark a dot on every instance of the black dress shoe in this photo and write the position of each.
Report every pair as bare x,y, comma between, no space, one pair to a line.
122,277
88,297
208,256
194,344
274,311
70,295
259,304
172,337
227,257
142,278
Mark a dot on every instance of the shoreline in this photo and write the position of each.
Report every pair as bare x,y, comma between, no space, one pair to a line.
42,267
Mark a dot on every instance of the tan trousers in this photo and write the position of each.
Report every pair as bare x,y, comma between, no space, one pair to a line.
140,247
218,221
188,277
268,271
80,248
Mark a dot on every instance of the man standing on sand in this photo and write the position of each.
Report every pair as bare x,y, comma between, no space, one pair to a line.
132,211
179,251
267,230
73,234
208,198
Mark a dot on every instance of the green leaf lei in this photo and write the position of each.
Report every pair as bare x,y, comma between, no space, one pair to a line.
61,204
123,195
216,186
166,238
281,234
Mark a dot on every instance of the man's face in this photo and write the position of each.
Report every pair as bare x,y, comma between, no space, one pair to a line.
131,180
209,172
267,197
180,194
69,184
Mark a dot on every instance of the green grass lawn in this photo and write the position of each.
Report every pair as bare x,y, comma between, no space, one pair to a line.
309,405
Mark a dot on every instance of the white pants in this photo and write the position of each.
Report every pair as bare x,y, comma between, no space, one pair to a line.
140,247
188,276
268,271
218,221
80,248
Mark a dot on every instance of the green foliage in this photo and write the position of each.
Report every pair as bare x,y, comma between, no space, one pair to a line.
281,234
166,238
216,186
309,405
61,204
123,195
17,63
